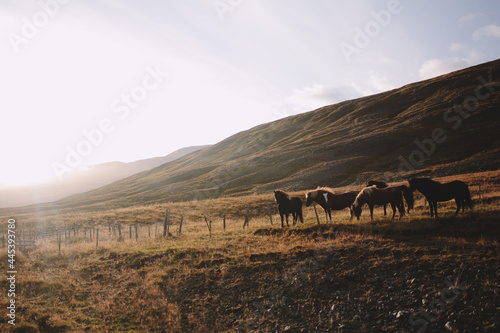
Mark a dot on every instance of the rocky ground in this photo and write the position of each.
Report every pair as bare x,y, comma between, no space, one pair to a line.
373,284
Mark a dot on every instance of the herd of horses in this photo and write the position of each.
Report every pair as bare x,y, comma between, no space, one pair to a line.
376,193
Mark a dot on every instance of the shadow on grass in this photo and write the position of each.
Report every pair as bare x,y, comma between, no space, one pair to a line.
471,227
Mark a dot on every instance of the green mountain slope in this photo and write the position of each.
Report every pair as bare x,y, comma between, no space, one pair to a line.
345,143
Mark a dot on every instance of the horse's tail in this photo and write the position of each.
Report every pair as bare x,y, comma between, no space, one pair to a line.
468,198
301,217
408,196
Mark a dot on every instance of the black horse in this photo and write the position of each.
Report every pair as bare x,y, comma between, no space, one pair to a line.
289,205
436,192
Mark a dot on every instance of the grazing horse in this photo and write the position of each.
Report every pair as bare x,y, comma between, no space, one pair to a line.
379,185
287,205
436,192
330,201
407,193
379,196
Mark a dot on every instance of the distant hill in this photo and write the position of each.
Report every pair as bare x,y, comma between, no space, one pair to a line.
421,128
83,181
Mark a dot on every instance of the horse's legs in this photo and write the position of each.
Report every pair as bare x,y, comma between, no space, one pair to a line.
458,202
401,210
385,210
435,204
393,206
330,215
326,216
431,207
282,225
371,211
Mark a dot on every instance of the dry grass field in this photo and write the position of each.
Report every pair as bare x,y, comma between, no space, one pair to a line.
412,275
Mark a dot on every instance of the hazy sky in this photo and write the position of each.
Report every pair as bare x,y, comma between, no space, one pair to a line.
91,81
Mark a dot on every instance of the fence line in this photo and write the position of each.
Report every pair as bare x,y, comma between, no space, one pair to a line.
90,232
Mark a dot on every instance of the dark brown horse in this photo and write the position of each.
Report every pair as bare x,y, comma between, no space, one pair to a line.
330,201
436,192
379,196
288,205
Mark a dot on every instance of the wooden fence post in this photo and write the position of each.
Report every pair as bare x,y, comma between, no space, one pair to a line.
136,232
317,219
209,225
119,231
247,219
270,215
224,222
165,222
97,239
130,231
180,226
59,240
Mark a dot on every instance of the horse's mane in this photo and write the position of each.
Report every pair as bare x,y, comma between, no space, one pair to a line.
367,191
281,193
324,189
377,183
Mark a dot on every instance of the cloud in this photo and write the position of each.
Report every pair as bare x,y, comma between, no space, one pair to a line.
381,83
316,96
436,67
491,30
457,47
468,17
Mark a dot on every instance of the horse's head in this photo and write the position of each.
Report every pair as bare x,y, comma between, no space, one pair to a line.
279,196
355,211
310,196
412,182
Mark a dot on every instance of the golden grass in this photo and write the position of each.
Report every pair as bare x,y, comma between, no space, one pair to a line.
123,285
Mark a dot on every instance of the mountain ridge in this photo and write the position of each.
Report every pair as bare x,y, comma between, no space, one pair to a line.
336,145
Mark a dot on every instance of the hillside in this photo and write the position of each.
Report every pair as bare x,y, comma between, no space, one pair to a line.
83,181
336,145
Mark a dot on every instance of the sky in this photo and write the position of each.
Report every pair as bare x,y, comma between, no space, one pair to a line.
85,82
